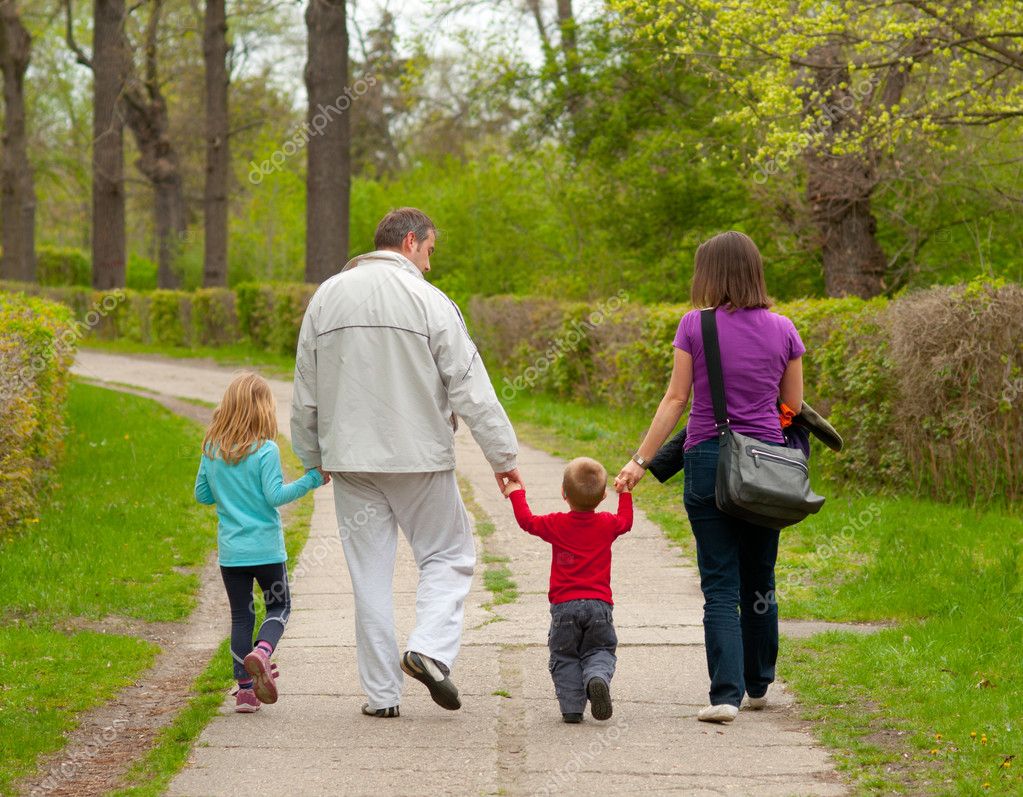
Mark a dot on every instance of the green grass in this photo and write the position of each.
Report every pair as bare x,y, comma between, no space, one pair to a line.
241,355
497,576
46,678
499,581
899,706
120,533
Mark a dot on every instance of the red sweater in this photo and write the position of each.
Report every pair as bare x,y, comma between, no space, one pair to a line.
581,560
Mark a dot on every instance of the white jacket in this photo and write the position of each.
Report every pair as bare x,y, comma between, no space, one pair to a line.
384,362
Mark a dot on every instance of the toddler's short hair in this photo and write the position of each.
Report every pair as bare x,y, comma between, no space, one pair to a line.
584,483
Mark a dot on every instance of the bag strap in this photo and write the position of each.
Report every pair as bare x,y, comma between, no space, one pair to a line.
712,356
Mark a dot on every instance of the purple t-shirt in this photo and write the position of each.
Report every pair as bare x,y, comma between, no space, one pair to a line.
756,346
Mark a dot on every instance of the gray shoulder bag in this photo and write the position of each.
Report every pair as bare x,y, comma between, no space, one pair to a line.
761,483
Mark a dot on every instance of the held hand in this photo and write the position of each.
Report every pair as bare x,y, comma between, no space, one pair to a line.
506,477
511,487
628,477
324,475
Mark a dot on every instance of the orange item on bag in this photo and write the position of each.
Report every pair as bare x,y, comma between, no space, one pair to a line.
786,416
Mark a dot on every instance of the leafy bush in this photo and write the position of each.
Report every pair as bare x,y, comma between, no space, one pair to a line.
255,312
57,265
214,317
270,315
140,273
169,318
37,343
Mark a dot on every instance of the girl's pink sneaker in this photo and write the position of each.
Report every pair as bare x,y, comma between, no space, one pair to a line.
245,701
257,664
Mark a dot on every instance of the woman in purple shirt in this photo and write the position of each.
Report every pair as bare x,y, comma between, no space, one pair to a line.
761,356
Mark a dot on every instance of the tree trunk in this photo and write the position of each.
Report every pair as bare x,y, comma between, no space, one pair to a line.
839,188
17,186
328,179
218,154
570,53
146,115
109,70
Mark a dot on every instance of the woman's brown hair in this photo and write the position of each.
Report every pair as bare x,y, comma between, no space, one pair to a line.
245,419
729,271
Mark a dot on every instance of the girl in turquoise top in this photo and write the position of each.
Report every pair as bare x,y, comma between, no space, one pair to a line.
240,472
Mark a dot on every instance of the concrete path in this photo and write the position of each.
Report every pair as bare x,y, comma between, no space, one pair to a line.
508,738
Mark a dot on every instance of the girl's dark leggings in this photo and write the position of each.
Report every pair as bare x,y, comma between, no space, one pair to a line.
273,581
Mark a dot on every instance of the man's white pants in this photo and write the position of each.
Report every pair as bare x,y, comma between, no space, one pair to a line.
428,508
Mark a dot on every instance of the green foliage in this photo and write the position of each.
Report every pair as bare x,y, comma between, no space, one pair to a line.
59,265
763,50
214,317
255,312
288,304
267,233
37,344
167,318
65,266
140,273
270,315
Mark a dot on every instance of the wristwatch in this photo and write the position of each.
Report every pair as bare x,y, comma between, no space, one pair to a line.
640,461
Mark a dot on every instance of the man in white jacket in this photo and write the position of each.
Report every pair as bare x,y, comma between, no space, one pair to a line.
384,366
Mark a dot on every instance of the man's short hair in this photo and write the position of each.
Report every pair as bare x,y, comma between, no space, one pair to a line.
584,483
393,227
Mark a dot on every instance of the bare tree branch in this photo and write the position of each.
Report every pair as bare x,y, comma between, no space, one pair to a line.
80,55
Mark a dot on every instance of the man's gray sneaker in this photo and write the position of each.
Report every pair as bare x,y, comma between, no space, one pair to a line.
428,671
383,713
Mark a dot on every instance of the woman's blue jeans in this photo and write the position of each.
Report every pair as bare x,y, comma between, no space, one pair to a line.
736,560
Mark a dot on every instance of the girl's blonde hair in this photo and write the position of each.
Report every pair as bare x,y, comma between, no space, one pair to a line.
245,419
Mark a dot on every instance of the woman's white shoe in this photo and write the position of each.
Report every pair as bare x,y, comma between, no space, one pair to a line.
723,712
757,703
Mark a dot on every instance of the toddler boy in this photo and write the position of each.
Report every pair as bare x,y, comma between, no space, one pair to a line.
582,638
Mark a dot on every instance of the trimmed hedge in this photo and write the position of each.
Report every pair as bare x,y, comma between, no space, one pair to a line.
267,315
59,265
64,266
37,344
927,389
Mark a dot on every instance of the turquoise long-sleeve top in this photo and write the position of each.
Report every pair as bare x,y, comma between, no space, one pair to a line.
249,531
